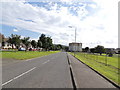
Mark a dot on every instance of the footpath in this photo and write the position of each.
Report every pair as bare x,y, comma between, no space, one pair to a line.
85,77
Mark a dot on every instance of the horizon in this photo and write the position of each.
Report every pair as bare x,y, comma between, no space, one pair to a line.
59,43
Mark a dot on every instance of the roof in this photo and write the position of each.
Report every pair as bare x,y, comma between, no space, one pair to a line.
1,38
75,43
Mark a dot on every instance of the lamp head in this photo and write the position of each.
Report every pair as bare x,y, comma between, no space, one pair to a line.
70,26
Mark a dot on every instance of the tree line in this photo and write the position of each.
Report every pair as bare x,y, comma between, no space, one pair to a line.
99,49
43,42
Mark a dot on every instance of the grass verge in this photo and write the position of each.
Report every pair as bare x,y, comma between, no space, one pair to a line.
22,55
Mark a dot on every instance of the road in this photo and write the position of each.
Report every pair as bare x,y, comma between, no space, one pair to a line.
52,71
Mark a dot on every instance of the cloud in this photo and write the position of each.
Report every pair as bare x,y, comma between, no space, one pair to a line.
93,5
100,26
22,37
15,30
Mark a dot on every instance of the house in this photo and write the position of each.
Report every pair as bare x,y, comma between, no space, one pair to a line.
75,47
4,44
117,50
1,40
110,50
113,50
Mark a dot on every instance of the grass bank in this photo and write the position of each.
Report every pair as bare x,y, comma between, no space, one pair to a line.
107,66
22,55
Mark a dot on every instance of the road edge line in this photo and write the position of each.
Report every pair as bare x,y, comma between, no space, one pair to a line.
18,76
74,83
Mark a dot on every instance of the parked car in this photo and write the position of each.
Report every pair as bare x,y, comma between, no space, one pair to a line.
21,49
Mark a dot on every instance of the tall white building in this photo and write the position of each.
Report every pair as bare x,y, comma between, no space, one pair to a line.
75,47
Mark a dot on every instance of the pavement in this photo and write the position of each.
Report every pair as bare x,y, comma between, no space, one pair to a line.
86,77
52,71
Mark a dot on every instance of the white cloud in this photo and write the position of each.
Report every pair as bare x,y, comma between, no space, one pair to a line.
98,28
93,5
15,30
22,37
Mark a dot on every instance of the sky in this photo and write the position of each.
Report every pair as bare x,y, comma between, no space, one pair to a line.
96,21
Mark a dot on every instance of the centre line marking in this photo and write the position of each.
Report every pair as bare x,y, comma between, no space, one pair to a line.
46,62
18,76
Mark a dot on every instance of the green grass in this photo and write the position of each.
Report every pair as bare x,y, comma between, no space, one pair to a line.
98,63
113,61
22,55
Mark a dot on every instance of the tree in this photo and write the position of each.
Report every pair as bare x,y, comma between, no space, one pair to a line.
100,49
34,43
3,40
54,47
39,44
26,42
59,46
109,52
92,50
83,49
15,39
43,40
86,49
66,48
46,42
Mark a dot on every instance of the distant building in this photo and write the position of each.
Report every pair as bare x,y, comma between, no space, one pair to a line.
113,50
117,50
3,42
110,50
75,47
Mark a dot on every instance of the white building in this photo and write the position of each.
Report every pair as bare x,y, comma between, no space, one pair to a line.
75,47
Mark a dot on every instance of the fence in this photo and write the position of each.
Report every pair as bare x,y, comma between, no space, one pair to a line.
107,66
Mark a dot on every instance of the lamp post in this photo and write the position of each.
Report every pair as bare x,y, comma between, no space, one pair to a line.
75,31
75,36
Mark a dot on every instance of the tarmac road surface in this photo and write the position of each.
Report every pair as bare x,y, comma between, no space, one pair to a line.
51,71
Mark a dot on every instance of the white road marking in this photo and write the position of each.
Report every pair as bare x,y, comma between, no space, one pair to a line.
46,62
18,76
7,82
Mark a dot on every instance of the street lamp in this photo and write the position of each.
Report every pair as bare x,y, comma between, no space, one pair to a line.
75,36
75,31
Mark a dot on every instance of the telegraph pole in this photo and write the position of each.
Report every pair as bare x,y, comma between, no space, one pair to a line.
75,37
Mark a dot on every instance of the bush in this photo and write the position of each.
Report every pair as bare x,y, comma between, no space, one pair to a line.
110,54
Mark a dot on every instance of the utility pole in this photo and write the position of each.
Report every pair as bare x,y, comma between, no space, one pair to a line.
75,37
75,31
